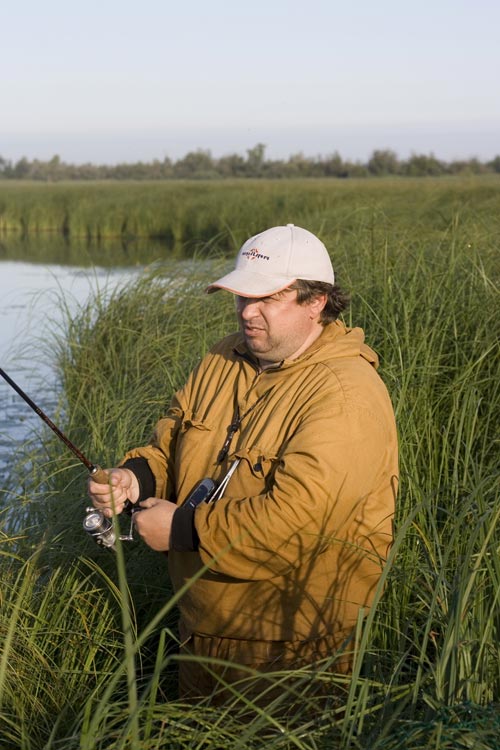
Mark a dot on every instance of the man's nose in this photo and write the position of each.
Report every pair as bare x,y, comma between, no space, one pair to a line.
247,307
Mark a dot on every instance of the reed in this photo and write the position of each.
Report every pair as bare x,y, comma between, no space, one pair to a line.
181,217
424,279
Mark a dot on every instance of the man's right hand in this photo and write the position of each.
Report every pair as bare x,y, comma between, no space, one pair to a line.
111,497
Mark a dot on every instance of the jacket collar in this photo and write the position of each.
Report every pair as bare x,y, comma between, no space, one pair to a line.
336,341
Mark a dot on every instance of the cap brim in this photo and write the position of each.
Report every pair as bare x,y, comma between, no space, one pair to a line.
247,284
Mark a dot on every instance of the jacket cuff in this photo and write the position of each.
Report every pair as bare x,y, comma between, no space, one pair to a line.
183,534
147,483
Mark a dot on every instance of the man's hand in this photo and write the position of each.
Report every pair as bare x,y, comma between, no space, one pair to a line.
154,522
111,497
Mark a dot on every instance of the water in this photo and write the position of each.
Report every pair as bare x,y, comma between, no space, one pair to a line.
32,302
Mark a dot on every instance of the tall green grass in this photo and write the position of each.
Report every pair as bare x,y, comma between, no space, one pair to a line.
179,218
90,637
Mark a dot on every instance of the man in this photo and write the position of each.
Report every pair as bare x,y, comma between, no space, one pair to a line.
291,413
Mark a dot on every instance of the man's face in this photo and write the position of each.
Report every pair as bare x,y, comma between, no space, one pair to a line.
277,327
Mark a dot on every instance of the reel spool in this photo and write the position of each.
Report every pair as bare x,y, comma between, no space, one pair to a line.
99,527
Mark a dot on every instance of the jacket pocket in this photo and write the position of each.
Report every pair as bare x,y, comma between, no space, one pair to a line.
259,463
191,421
196,445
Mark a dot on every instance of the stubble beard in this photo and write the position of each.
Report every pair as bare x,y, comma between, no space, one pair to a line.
269,350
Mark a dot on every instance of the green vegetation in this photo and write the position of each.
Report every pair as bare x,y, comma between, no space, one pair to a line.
201,165
139,222
87,650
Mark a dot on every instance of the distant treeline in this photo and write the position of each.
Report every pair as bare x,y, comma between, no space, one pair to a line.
201,164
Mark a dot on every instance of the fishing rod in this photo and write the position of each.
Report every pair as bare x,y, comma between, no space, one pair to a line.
95,522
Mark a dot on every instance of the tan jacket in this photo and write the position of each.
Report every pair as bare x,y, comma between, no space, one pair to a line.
297,543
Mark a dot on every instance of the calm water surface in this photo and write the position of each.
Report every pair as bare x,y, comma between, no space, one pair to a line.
32,300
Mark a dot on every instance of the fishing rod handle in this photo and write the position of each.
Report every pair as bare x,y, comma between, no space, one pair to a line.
101,476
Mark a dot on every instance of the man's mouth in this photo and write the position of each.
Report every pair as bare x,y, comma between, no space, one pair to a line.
251,330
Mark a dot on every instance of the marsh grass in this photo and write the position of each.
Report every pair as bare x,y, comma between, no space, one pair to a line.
92,645
139,222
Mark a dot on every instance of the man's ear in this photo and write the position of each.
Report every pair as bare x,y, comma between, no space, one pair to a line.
317,305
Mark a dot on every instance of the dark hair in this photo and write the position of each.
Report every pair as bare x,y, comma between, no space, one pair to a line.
336,299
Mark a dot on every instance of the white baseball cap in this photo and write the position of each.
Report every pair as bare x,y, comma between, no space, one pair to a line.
274,259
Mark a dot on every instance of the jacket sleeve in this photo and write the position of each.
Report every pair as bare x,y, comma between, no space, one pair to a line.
159,455
332,484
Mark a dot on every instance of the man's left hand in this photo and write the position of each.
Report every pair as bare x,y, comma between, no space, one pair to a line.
154,522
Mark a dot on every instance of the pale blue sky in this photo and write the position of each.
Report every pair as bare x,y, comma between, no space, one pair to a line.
116,80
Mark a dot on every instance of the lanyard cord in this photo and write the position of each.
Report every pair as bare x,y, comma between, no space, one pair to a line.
235,426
